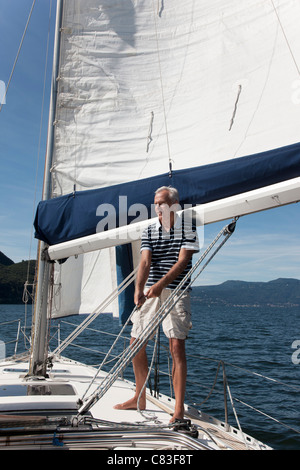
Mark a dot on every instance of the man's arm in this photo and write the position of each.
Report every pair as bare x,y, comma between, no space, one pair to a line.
142,276
183,260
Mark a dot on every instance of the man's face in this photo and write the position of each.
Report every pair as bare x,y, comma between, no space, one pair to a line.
162,204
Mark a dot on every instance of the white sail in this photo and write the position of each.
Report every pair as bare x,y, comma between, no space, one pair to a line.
80,285
147,87
144,83
149,92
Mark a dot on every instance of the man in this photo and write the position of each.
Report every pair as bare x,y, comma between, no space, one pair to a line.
166,256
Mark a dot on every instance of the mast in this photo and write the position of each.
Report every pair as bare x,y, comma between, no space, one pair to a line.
39,344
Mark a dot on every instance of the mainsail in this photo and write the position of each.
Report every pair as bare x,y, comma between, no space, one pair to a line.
203,96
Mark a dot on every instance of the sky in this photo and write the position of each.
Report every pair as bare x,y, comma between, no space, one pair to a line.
265,246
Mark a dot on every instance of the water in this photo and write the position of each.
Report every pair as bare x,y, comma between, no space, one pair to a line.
253,343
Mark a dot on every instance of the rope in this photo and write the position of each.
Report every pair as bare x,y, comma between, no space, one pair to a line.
149,416
212,387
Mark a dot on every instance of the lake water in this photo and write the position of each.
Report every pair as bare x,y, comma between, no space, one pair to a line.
254,343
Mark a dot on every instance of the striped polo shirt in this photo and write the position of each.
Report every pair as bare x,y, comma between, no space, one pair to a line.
165,247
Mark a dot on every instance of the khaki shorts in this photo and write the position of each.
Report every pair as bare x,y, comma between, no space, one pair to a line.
176,324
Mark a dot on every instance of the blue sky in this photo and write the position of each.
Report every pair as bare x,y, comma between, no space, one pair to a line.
264,246
20,122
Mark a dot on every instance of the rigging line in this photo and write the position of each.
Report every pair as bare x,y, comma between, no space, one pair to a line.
38,149
267,415
285,36
162,90
90,318
40,132
75,116
263,376
167,305
109,352
17,56
236,416
150,417
162,312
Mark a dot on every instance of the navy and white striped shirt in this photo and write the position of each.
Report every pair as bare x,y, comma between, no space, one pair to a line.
165,248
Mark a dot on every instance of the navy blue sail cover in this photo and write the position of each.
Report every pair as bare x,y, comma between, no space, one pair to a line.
74,215
124,265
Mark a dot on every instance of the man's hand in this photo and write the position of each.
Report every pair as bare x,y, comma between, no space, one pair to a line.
139,298
154,291
142,276
183,260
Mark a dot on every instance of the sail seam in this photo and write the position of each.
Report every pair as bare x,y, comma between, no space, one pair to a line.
285,36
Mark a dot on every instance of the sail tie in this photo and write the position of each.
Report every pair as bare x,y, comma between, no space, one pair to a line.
235,106
150,132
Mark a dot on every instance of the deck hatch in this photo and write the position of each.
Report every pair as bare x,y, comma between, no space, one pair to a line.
21,390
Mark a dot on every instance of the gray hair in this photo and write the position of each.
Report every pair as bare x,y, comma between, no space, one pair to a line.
173,193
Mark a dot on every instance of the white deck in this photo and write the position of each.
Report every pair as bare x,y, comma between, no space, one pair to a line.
68,375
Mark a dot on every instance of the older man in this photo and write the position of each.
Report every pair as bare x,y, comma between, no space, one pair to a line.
166,256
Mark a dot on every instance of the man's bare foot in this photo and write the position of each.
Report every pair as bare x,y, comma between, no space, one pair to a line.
131,405
176,416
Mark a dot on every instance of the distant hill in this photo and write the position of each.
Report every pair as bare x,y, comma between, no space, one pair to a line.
280,292
4,260
12,279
